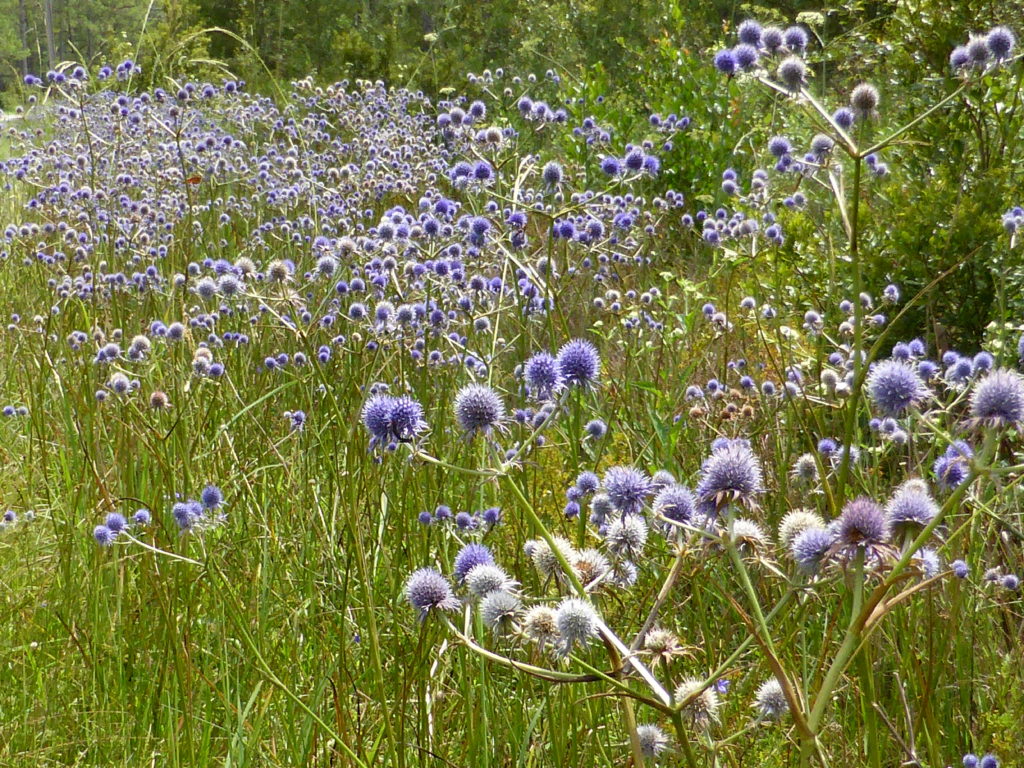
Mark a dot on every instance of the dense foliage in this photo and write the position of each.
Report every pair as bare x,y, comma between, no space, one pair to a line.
665,411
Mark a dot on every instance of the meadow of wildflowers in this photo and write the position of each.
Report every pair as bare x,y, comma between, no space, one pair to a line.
346,426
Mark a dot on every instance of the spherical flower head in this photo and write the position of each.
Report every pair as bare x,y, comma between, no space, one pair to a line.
587,482
661,479
749,33
485,578
998,399
103,535
675,502
747,534
579,363
861,525
468,558
142,517
543,376
627,488
701,707
960,569
405,418
795,38
894,386
427,590
959,58
796,522
772,39
732,473
951,469
1010,582
989,761
911,508
725,62
779,146
626,537
770,701
653,740
970,761
590,565
864,100
611,166
792,72
211,497
810,548
377,418
187,514
499,611
821,145
805,468
977,50
478,408
595,429
552,174
577,623
541,625
745,55
546,561
844,117
116,522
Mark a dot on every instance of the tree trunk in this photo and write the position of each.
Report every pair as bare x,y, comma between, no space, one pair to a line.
23,35
51,53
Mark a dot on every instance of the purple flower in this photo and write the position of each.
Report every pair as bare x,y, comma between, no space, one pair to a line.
862,525
791,72
1000,42
552,174
745,55
543,376
810,548
675,502
406,418
894,387
998,399
211,497
732,473
478,408
952,468
427,590
579,363
725,62
795,38
911,508
116,522
627,488
749,32
103,535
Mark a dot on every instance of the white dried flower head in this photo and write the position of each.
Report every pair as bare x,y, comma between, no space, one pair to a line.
540,625
769,701
577,623
701,708
590,566
487,577
545,560
747,533
653,740
805,469
796,522
663,645
499,611
627,536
